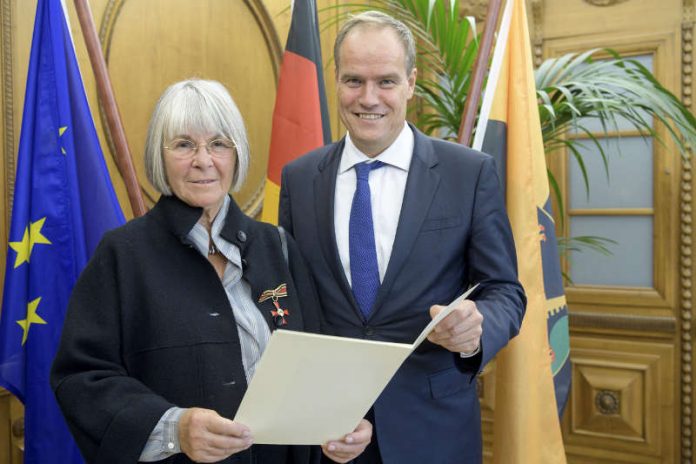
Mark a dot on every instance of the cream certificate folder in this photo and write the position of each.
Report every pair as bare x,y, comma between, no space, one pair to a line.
309,389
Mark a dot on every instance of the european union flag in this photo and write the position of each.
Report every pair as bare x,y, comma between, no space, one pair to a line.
63,203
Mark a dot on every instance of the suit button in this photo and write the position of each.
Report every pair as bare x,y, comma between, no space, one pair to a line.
241,236
369,331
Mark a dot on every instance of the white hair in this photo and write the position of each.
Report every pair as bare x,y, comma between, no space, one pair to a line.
194,105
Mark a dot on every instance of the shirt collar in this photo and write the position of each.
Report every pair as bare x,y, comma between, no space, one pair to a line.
398,154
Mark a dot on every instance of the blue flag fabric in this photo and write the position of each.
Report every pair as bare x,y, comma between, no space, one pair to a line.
63,203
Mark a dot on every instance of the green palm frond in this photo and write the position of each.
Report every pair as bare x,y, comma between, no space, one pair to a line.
598,244
568,245
576,89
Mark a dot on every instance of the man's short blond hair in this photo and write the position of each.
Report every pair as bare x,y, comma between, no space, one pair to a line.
378,19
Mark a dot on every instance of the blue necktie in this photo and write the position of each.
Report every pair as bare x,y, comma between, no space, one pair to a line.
364,272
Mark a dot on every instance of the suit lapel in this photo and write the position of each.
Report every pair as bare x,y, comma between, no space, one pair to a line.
324,198
420,190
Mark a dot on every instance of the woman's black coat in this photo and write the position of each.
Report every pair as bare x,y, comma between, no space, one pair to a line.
149,326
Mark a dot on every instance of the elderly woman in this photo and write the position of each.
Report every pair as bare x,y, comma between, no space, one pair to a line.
167,322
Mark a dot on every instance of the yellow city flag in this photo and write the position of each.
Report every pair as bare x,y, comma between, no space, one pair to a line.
526,428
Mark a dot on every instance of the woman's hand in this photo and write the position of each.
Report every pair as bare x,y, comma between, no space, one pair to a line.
205,436
351,445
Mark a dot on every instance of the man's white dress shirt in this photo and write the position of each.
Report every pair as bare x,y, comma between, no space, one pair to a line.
387,187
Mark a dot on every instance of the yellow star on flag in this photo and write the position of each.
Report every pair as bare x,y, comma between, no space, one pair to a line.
32,318
32,236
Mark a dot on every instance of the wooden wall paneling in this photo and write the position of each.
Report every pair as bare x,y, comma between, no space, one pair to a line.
622,405
631,312
599,322
623,338
635,313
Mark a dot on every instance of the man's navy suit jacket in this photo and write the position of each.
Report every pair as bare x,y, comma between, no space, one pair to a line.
453,232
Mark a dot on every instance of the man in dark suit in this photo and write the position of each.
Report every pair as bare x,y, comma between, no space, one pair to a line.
394,224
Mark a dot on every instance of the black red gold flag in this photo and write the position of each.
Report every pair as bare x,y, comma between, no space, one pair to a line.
300,117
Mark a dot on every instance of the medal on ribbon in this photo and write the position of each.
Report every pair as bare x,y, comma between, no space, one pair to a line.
279,314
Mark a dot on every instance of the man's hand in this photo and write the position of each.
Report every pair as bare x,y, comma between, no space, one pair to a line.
351,445
460,331
205,436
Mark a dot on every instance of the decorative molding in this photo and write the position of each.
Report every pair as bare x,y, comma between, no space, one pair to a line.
604,2
8,105
538,31
687,51
622,322
686,232
475,8
113,8
111,12
265,22
608,402
106,29
621,393
479,8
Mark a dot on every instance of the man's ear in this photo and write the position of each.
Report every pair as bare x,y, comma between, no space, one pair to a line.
412,82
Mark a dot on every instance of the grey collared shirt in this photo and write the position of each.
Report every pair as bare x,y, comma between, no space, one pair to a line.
251,326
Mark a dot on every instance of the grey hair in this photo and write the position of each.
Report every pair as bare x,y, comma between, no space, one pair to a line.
378,19
194,105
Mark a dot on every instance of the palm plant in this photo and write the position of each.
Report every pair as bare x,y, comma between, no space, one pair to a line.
572,90
575,89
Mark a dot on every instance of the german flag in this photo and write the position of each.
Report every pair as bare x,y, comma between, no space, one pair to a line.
527,407
300,117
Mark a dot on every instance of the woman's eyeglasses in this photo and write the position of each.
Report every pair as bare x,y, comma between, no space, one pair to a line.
186,148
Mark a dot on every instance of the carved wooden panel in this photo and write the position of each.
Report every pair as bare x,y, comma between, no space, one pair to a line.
622,401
